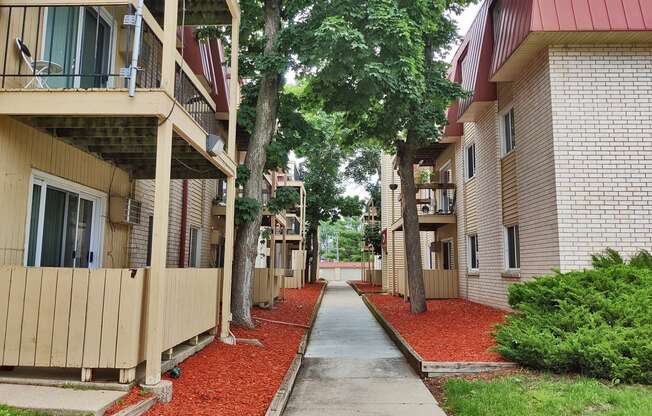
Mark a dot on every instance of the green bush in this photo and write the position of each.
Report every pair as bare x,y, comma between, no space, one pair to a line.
594,322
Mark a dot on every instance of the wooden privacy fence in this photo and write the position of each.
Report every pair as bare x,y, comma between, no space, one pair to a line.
266,287
374,276
190,303
439,284
95,318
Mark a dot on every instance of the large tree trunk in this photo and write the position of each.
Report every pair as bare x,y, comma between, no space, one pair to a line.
246,244
308,259
406,152
314,254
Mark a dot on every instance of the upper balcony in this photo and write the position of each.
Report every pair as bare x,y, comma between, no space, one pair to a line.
65,69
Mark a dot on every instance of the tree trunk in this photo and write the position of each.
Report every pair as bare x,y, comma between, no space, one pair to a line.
308,259
246,244
414,267
315,256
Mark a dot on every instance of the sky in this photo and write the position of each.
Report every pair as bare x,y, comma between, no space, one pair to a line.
464,21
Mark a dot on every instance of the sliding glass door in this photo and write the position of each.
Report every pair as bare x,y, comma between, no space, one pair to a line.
64,225
81,41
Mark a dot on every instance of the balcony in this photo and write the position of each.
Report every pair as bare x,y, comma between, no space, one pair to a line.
64,71
436,206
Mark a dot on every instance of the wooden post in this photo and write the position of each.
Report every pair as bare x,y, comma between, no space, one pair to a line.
156,275
229,225
229,238
234,83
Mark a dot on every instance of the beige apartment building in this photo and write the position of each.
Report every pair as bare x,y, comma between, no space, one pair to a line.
107,110
551,153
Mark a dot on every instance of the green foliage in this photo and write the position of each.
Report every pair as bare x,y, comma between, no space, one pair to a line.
609,258
343,236
246,210
12,411
277,156
642,260
350,206
209,32
545,395
372,236
377,62
242,175
594,322
286,197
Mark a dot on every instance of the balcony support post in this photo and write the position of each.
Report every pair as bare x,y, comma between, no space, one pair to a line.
156,276
234,86
156,286
229,238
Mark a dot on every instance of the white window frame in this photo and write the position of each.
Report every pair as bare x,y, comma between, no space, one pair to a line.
477,255
466,161
506,247
444,193
99,199
197,247
503,138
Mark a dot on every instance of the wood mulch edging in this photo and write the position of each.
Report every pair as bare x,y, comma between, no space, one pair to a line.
282,396
362,288
431,368
243,379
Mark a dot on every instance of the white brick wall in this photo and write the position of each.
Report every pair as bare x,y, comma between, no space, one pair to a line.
602,115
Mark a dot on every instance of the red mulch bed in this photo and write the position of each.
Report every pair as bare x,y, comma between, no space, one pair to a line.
365,287
135,395
451,330
241,380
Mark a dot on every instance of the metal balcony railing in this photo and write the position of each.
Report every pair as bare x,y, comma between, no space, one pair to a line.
197,105
73,47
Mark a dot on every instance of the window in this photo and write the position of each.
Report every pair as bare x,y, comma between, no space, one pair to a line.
508,131
512,248
470,161
474,259
65,225
447,255
446,196
195,245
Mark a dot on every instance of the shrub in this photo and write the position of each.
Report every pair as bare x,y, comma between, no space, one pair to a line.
594,322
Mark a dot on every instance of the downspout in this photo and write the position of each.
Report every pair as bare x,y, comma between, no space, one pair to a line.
135,54
184,224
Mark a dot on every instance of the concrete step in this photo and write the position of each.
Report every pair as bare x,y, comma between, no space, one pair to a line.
59,400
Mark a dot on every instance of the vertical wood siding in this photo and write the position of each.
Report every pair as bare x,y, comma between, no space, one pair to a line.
191,298
439,284
73,318
22,149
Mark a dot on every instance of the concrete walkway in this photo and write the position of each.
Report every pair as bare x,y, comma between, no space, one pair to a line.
58,400
351,367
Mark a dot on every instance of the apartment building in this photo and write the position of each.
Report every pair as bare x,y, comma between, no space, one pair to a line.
113,140
553,147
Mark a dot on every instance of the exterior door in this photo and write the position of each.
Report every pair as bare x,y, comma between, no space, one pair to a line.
63,228
81,41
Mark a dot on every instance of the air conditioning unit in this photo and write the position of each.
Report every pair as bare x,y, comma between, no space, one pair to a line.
214,144
124,210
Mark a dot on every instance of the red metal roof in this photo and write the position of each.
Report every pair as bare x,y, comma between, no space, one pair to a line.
483,52
591,15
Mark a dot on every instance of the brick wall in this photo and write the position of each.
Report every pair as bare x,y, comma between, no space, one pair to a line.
602,115
536,170
201,194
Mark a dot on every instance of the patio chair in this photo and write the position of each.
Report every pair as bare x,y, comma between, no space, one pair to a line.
38,68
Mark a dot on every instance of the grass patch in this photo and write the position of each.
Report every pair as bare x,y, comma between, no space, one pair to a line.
544,395
12,411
